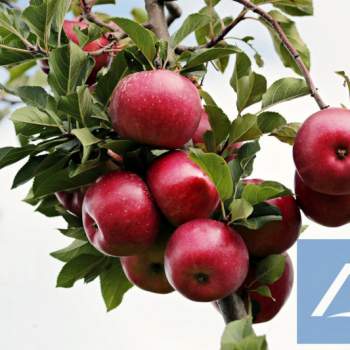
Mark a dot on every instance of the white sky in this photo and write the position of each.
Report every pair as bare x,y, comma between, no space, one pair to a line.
36,316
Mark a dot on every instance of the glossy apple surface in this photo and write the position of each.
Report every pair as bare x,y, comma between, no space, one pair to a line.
72,201
159,108
181,189
119,216
203,127
205,260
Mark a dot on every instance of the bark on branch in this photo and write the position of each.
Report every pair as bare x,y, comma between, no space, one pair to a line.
232,308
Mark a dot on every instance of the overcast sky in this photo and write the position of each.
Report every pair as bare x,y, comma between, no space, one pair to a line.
36,316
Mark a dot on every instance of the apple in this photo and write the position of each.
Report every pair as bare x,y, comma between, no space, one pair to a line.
265,308
321,151
205,260
203,127
275,237
232,150
147,271
119,216
182,191
325,209
72,201
159,108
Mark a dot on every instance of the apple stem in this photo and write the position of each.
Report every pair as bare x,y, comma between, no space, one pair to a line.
290,48
232,308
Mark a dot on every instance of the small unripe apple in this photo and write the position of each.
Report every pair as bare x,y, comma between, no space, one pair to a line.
182,191
147,271
119,216
325,209
321,151
275,237
159,108
206,260
72,201
265,308
203,127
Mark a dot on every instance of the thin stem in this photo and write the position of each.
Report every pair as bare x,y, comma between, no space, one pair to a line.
290,48
17,49
232,308
174,10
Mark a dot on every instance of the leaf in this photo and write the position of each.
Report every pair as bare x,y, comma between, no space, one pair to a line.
219,123
33,95
255,194
141,36
10,155
287,133
283,90
28,171
264,291
139,14
207,98
76,248
270,269
192,23
269,121
119,146
75,232
217,169
86,139
114,285
246,155
240,209
77,269
244,128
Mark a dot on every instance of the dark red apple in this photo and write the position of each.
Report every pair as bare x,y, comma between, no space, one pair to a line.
119,216
72,201
321,151
203,127
264,308
147,270
274,237
206,260
181,189
159,108
325,209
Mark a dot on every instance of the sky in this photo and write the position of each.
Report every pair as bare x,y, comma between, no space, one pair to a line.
36,316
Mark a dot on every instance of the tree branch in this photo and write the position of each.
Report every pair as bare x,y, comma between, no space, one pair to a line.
232,308
157,19
290,48
174,10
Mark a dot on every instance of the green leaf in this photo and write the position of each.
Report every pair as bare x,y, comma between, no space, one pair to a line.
240,209
255,194
139,15
119,146
114,285
77,269
244,128
28,171
246,155
270,269
33,95
86,139
10,155
283,90
264,291
76,248
192,23
207,98
269,121
141,36
287,133
75,232
217,169
219,123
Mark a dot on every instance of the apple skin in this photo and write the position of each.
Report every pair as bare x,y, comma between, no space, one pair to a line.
147,269
203,127
205,260
324,209
182,191
274,237
72,201
232,151
264,308
121,207
321,151
159,108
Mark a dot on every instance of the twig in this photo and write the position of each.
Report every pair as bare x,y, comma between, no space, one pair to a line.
232,308
8,4
157,19
290,48
174,10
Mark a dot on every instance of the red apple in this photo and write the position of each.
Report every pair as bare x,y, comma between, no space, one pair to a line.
264,308
147,270
119,216
274,237
159,108
232,151
325,209
321,151
181,189
72,201
203,127
206,260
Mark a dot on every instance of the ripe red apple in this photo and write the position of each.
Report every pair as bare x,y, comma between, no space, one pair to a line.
232,151
325,209
159,108
72,201
119,216
274,237
203,127
147,269
206,260
264,308
181,189
321,151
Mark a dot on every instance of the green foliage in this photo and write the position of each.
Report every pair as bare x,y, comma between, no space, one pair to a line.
270,269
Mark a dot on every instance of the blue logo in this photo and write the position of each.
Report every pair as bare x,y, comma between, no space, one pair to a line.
324,292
